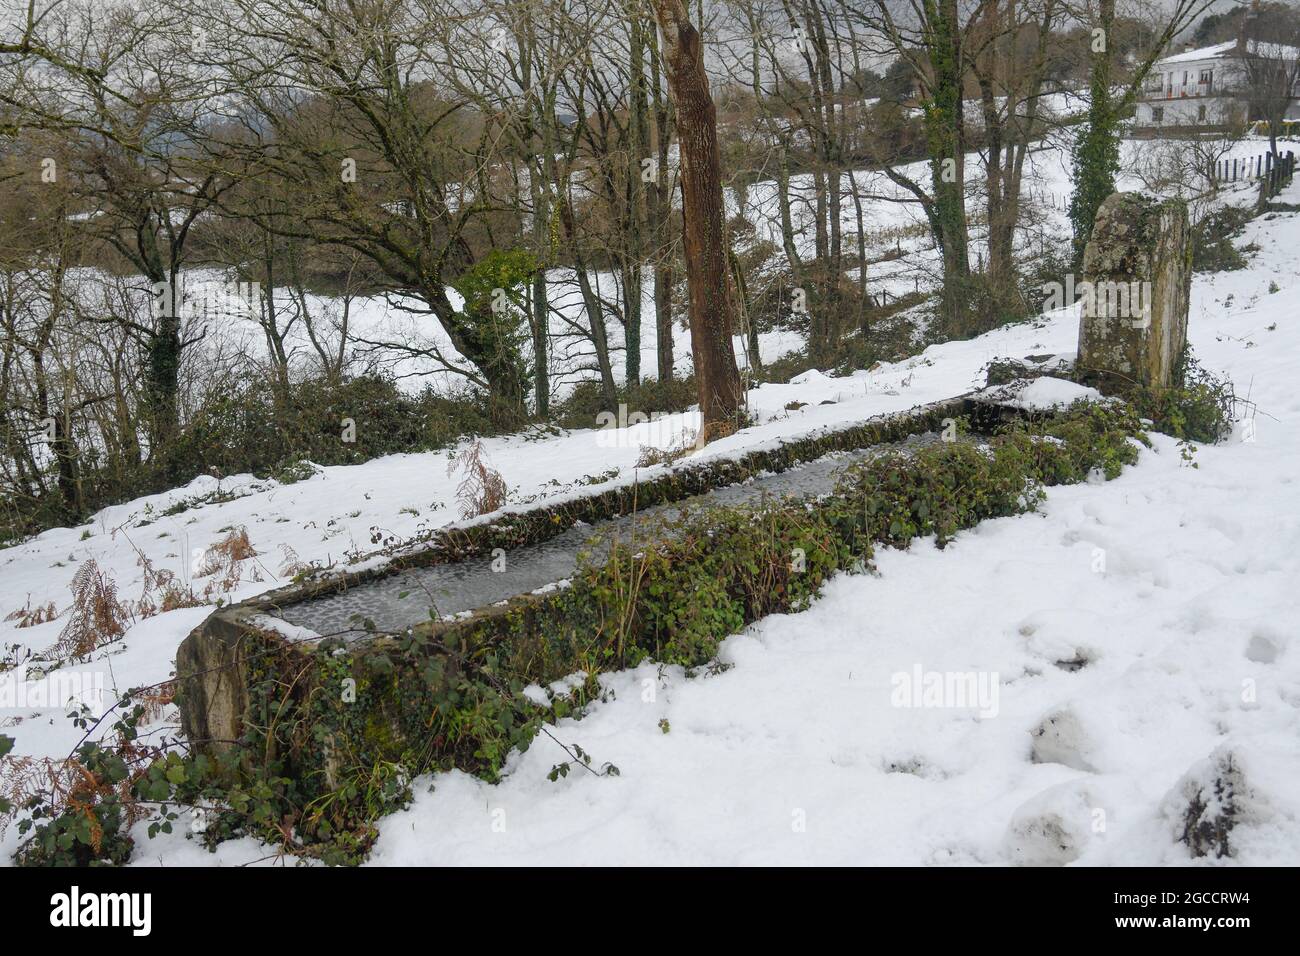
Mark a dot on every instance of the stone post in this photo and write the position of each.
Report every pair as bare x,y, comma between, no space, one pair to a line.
1137,273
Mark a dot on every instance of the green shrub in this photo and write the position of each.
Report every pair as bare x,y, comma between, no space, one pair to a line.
1201,409
709,573
691,580
81,818
1064,449
249,426
937,490
1212,248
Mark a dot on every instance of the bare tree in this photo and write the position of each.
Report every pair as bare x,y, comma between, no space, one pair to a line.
707,274
354,105
1111,98
1272,65
116,84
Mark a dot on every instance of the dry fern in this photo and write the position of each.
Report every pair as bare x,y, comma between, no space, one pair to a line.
685,445
482,489
28,616
21,778
222,562
67,785
97,617
162,591
156,699
292,565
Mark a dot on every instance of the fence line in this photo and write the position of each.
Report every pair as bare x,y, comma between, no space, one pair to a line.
1276,172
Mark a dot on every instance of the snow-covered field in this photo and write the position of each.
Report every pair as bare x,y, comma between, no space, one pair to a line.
892,229
1175,586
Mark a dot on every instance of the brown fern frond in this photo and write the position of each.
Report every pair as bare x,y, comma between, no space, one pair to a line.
157,699
222,562
97,616
482,489
162,591
292,564
28,616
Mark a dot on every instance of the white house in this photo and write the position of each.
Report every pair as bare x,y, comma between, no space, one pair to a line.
1205,88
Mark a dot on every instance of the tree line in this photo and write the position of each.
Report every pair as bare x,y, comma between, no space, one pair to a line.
474,161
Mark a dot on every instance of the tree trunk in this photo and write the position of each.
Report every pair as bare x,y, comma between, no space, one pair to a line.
599,335
945,132
162,377
787,219
659,211
637,190
630,275
540,300
743,313
1096,151
664,320
541,312
716,375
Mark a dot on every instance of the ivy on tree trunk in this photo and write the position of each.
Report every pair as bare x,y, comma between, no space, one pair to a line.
1096,148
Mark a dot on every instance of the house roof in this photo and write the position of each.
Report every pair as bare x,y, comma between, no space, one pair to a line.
1204,53
1223,50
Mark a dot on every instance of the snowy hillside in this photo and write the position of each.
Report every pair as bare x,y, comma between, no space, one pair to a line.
1143,625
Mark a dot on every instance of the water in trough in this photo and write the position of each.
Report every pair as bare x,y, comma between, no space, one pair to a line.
409,597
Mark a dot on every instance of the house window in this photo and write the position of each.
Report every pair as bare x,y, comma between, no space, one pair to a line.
1158,115
1206,80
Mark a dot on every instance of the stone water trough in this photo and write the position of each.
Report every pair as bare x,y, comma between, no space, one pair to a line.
467,577
452,593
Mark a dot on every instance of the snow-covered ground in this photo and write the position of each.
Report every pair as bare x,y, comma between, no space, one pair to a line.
1175,584
332,516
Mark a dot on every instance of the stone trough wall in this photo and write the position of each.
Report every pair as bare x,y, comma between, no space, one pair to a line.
218,662
451,693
